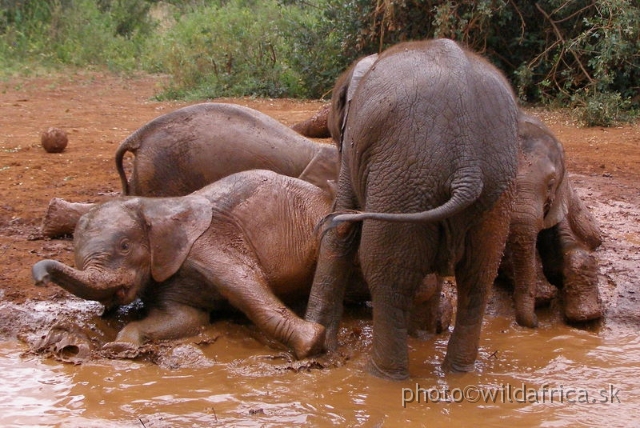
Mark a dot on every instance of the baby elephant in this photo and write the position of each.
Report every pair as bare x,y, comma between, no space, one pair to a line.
550,228
184,150
244,239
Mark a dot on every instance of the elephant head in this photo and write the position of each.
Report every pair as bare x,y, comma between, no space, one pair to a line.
121,245
543,187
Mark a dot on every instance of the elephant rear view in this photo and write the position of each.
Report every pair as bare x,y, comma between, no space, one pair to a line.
183,151
429,147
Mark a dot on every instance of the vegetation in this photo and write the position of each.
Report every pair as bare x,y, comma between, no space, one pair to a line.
580,53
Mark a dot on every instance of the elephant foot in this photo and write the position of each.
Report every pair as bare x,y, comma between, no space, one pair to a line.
396,374
581,296
308,340
457,367
529,320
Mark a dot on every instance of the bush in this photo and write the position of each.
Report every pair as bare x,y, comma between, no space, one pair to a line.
73,32
584,53
581,53
231,48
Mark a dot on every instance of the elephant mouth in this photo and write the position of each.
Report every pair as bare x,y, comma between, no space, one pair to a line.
124,295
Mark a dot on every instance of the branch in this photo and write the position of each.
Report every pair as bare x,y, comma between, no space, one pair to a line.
559,35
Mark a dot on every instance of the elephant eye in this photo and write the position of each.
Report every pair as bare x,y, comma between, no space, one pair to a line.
124,246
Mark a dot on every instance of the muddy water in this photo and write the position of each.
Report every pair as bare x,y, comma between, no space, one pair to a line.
553,376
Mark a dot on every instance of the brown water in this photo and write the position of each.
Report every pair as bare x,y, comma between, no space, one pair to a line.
238,381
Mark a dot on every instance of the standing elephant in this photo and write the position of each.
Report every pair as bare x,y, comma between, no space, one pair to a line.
545,199
245,239
184,150
429,156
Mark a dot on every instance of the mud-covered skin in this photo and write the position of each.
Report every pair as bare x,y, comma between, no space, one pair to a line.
184,150
429,157
545,199
244,239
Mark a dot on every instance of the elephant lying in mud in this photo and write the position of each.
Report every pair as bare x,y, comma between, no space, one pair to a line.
550,221
184,256
429,157
552,234
184,150
247,239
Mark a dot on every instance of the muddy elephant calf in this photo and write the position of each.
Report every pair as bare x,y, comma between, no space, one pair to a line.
244,239
551,232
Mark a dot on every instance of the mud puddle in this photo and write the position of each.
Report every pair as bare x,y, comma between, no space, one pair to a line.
556,375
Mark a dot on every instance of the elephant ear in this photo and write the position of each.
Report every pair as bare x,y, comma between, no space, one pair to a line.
343,94
560,205
174,226
359,70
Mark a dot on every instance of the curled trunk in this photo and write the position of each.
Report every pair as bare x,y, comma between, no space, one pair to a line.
86,284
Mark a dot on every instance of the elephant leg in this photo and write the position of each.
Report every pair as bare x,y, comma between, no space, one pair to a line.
171,321
580,291
333,272
475,273
394,258
338,247
240,280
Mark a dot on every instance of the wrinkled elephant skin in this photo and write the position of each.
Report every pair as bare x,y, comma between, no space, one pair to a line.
429,156
246,239
545,199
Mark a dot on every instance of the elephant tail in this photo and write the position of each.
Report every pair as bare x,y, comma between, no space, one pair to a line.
464,192
128,145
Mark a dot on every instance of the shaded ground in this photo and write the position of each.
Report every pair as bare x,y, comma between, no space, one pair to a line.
99,110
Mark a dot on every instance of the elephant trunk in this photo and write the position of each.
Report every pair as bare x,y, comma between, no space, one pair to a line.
521,246
86,284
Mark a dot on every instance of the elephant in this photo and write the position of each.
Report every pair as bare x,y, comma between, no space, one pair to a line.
184,150
246,239
545,199
429,156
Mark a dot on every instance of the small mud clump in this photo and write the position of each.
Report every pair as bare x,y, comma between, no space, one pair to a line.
54,140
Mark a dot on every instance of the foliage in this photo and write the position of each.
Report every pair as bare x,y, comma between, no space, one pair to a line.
227,48
73,32
585,53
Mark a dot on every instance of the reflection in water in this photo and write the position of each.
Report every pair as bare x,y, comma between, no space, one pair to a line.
244,387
